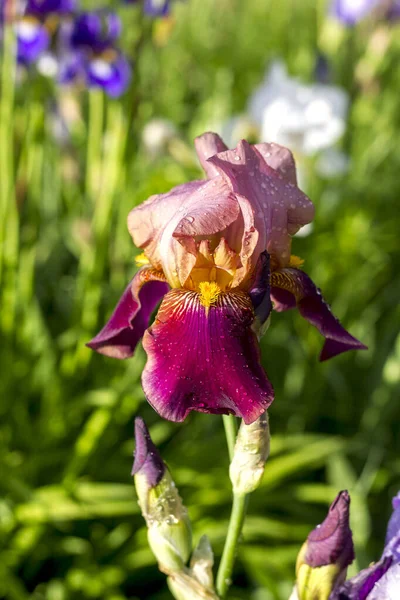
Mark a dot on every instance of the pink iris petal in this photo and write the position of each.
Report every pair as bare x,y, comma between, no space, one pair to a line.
292,287
120,336
207,145
147,221
205,359
167,225
279,158
279,207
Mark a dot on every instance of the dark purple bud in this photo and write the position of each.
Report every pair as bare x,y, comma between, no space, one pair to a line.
332,542
148,461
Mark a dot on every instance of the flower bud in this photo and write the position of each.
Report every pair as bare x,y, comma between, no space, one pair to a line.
250,454
184,586
202,562
323,560
169,531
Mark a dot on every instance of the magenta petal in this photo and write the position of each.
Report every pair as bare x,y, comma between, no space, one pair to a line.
206,360
260,288
292,287
130,318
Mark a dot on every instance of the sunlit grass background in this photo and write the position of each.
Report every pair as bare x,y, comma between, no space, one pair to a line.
70,525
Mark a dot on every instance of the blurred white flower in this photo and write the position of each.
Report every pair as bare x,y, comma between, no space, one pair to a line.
156,136
305,118
332,163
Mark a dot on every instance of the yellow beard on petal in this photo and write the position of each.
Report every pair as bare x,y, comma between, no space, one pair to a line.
296,261
208,293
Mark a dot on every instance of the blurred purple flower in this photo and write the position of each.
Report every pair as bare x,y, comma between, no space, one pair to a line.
157,8
46,7
95,30
350,12
92,56
109,70
32,39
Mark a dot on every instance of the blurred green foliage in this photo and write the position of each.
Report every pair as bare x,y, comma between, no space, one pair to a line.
70,525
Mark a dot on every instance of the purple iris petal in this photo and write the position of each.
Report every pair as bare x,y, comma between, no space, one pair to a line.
392,542
147,458
352,11
292,287
113,76
332,542
156,8
44,7
32,40
388,587
205,359
130,318
260,289
72,67
95,30
360,586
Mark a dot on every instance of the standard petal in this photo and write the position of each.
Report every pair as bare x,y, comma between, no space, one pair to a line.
147,221
209,210
206,146
279,158
292,287
279,207
205,359
130,318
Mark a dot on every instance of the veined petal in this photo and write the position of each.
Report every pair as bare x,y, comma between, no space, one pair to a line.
130,318
392,542
292,287
279,207
360,586
205,359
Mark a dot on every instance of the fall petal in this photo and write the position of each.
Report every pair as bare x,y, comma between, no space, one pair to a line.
292,287
120,336
205,359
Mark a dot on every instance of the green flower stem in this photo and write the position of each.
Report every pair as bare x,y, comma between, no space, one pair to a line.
9,218
94,143
230,425
238,514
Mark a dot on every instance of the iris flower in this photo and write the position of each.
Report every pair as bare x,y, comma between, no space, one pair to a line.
208,249
92,55
35,28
